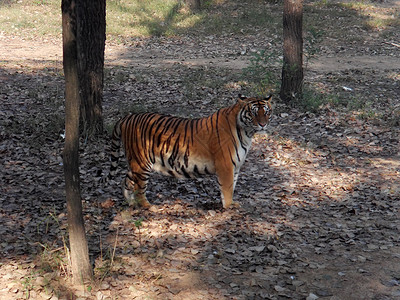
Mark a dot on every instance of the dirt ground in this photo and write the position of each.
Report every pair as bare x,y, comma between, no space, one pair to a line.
319,193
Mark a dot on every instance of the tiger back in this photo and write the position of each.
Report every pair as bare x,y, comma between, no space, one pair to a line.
188,148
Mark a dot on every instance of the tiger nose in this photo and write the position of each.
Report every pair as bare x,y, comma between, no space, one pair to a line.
262,124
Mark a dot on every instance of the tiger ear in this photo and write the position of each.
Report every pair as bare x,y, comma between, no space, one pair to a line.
241,99
268,99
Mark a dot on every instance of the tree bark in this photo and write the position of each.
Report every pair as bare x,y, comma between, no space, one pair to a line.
193,4
292,69
81,267
91,36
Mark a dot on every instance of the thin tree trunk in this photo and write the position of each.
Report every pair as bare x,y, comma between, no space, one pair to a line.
91,35
81,267
292,69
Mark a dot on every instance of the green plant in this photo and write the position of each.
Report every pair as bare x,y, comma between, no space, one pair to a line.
313,38
105,263
312,100
40,2
55,258
262,70
354,103
138,224
103,266
324,2
147,18
28,284
367,115
30,19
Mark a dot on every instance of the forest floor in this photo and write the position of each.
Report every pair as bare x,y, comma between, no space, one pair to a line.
319,194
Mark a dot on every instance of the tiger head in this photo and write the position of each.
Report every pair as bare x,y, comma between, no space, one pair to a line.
254,114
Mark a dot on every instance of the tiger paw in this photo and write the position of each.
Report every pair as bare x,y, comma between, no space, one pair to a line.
232,205
144,203
235,204
132,202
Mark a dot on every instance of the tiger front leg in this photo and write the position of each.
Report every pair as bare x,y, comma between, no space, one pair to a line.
226,181
134,191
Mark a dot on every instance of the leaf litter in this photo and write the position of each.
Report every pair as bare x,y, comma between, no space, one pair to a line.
319,193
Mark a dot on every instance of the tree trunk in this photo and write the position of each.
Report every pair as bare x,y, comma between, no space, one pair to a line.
193,4
81,268
292,69
91,36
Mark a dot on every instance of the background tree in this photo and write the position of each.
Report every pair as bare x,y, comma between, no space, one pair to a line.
193,4
91,36
292,69
81,268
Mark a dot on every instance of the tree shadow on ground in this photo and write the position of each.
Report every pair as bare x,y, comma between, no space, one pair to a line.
304,204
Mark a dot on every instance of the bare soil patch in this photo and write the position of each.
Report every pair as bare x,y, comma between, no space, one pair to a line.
15,49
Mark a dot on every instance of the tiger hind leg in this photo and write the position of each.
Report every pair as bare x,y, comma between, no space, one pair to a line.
134,191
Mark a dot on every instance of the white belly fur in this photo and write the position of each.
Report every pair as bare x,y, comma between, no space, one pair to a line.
204,167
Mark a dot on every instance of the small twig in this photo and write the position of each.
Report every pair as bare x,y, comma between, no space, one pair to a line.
115,247
56,250
157,278
111,259
100,239
393,44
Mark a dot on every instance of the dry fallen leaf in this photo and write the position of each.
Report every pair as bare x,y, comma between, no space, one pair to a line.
108,203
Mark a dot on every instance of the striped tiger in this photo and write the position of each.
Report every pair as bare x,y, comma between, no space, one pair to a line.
187,148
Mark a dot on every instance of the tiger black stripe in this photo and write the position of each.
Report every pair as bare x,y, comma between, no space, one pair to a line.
167,143
207,171
231,156
241,141
186,130
149,135
160,122
162,157
235,146
216,127
145,124
165,129
206,121
192,131
174,154
196,171
186,157
185,173
197,121
163,120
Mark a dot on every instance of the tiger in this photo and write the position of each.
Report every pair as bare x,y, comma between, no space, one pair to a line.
188,148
